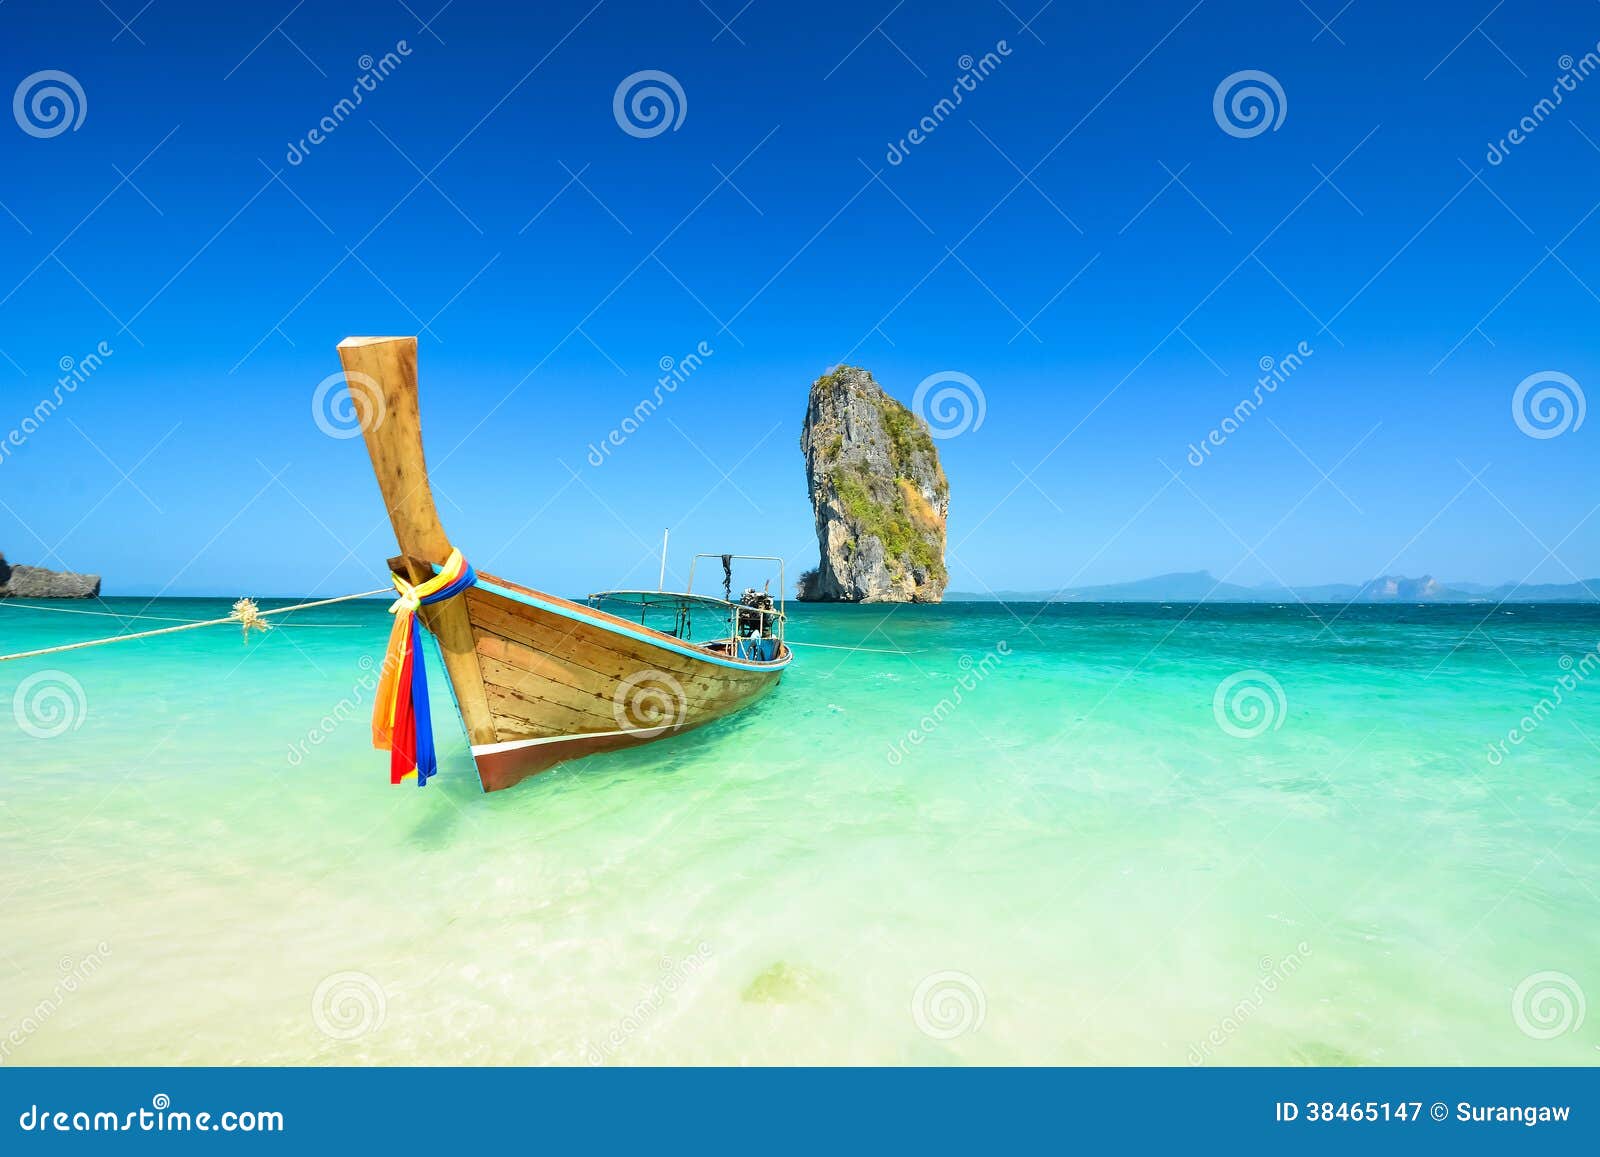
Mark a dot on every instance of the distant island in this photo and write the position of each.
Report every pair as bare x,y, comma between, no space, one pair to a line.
1199,586
34,582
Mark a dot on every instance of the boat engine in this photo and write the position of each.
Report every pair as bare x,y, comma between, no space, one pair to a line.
751,620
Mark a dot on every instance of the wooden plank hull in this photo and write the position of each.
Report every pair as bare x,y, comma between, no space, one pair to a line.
563,680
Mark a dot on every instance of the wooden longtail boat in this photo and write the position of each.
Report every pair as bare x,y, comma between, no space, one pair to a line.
540,679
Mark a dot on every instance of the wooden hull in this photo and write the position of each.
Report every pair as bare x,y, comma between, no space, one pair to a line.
563,680
537,679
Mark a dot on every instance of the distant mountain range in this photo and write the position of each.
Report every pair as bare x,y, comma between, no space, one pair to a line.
1199,586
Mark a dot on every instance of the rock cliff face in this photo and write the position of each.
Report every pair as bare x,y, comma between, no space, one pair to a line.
32,582
878,493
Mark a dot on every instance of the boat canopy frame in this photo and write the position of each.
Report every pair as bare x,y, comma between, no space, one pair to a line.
683,601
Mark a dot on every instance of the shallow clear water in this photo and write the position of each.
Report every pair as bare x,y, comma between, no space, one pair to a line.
1084,860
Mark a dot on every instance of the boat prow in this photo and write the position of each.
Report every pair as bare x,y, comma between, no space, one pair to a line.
539,679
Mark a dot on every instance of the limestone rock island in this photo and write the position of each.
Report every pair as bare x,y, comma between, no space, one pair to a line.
878,493
34,582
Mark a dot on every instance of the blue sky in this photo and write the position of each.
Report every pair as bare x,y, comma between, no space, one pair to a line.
1081,238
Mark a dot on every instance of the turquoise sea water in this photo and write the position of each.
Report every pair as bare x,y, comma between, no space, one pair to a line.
1040,838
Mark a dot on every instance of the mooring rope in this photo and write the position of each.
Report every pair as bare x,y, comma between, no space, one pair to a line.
15,606
832,647
11,604
245,615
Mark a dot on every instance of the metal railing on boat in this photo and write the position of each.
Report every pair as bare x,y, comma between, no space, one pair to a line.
767,620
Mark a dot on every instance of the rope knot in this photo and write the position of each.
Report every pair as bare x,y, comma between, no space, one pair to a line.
408,602
454,577
248,616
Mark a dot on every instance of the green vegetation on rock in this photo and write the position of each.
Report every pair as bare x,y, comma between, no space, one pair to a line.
890,522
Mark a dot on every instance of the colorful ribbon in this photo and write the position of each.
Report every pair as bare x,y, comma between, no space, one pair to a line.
400,721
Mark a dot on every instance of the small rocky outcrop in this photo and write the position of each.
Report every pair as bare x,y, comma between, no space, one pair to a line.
34,582
878,492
